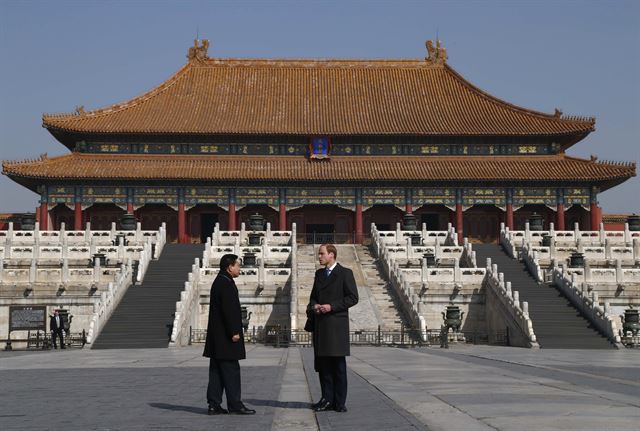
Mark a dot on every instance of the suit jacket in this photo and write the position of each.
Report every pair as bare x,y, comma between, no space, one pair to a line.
331,330
53,326
225,320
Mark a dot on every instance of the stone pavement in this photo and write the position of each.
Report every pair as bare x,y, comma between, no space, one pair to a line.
463,388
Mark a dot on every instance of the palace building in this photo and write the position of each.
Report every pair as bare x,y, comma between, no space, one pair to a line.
331,145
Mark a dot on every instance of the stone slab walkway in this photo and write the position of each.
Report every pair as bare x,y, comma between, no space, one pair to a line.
465,387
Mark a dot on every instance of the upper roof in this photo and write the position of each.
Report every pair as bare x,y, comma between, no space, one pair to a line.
84,166
317,97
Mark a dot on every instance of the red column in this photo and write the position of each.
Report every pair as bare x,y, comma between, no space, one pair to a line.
596,216
560,217
129,208
282,213
359,236
44,216
77,219
232,217
509,221
408,208
459,223
38,214
181,224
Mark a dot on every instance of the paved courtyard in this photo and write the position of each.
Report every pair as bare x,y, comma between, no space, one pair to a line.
463,388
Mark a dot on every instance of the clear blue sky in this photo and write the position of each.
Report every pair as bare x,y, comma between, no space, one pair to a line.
580,56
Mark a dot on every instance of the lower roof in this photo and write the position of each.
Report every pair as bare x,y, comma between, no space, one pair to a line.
83,167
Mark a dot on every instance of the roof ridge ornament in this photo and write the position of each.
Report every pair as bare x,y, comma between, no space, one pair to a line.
436,54
198,51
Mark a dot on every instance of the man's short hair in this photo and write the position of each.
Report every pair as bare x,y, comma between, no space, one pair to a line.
227,260
331,249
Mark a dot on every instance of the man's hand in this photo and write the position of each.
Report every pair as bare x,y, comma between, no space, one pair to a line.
325,308
235,338
317,308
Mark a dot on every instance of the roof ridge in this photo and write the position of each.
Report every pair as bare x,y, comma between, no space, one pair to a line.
328,62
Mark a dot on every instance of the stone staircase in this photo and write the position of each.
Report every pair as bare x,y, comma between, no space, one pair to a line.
143,313
307,265
370,311
556,323
380,290
365,315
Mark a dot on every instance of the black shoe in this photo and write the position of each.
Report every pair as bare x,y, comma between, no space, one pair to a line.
340,409
325,406
243,410
316,405
216,409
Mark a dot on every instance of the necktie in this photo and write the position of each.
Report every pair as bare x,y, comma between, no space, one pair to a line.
328,272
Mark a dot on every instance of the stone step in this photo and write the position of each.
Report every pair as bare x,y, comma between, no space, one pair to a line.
556,323
141,317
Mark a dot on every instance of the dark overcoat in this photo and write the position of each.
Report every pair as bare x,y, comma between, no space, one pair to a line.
331,330
225,320
52,324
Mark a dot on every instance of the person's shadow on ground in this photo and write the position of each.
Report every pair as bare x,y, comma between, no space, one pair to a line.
251,402
279,404
175,408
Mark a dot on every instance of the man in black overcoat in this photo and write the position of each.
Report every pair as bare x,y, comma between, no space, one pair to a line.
56,325
225,341
334,292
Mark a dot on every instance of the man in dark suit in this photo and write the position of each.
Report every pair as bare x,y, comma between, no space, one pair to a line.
56,325
225,341
334,292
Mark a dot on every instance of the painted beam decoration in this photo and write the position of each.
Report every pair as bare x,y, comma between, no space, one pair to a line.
577,196
155,195
343,197
61,195
541,196
378,195
257,195
206,195
484,196
104,194
434,196
295,196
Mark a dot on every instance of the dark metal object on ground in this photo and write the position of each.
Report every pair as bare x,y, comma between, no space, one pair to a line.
254,238
246,316
536,222
101,257
28,221
409,222
453,317
634,222
128,222
631,321
249,259
256,222
576,260
546,240
120,239
416,239
431,259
